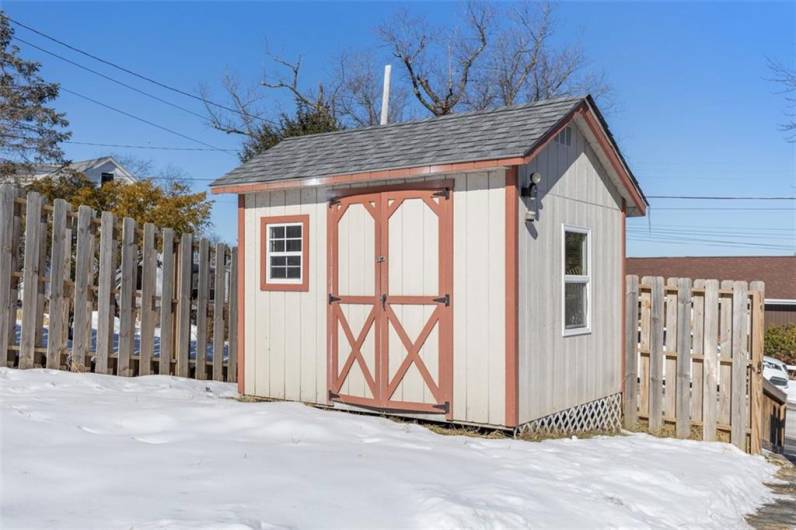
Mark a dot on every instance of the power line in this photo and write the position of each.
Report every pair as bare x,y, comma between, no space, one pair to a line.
140,76
153,124
735,209
720,198
111,79
153,147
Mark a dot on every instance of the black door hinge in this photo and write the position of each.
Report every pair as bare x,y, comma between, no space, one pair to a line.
333,298
444,300
446,193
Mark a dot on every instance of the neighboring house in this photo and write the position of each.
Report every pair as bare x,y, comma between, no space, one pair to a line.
97,170
413,269
778,273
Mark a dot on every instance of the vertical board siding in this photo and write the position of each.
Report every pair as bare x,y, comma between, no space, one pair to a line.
285,340
283,362
479,325
557,372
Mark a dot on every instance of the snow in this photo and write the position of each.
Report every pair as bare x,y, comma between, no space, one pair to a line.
94,451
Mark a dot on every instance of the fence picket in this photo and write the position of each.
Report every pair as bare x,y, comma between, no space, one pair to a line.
630,399
725,350
167,304
105,318
55,326
202,290
710,366
683,367
756,372
185,267
148,281
698,350
644,359
656,356
671,352
81,323
739,362
219,295
232,364
7,247
127,298
30,285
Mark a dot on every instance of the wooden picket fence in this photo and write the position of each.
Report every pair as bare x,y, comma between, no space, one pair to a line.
69,279
694,353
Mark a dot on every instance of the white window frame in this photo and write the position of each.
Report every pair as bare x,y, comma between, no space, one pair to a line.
573,278
269,253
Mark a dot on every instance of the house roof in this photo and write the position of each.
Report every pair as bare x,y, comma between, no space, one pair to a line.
778,272
503,133
78,166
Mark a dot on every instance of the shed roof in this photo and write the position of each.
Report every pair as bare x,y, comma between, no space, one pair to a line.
778,272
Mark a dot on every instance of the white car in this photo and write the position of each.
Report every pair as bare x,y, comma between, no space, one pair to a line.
776,372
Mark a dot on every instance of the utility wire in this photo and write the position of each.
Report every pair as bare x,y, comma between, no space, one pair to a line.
111,79
129,146
140,76
720,198
133,116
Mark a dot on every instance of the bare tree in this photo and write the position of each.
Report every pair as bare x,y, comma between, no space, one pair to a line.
787,78
360,84
439,67
493,59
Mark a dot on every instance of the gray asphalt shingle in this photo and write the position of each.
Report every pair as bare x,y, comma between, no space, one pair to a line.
502,133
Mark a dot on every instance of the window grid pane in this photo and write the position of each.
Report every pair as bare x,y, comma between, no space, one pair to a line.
285,252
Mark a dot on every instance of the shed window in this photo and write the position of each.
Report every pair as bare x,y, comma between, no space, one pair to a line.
284,253
576,289
106,177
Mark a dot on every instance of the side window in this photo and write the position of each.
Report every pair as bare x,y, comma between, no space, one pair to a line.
576,274
284,253
565,136
106,177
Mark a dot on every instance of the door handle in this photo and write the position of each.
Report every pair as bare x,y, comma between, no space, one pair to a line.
333,298
383,299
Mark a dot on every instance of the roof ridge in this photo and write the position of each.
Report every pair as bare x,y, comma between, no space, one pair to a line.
447,117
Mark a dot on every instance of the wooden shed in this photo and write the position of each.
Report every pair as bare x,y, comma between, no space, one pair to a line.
466,269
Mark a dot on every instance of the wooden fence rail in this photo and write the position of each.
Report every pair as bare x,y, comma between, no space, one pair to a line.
83,293
694,353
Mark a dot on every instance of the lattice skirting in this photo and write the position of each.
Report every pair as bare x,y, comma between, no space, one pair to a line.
603,414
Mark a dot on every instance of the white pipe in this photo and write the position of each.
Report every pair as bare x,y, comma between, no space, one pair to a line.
385,95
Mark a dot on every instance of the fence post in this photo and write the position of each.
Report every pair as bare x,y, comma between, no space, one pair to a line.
167,304
739,366
756,372
148,281
218,312
232,364
7,247
184,305
710,365
30,293
683,396
127,298
57,324
630,398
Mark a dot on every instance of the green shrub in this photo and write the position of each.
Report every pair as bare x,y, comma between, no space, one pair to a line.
781,343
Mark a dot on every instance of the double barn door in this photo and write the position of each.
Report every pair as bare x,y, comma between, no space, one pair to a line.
390,308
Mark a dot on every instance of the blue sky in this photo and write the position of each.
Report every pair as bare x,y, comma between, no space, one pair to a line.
695,111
